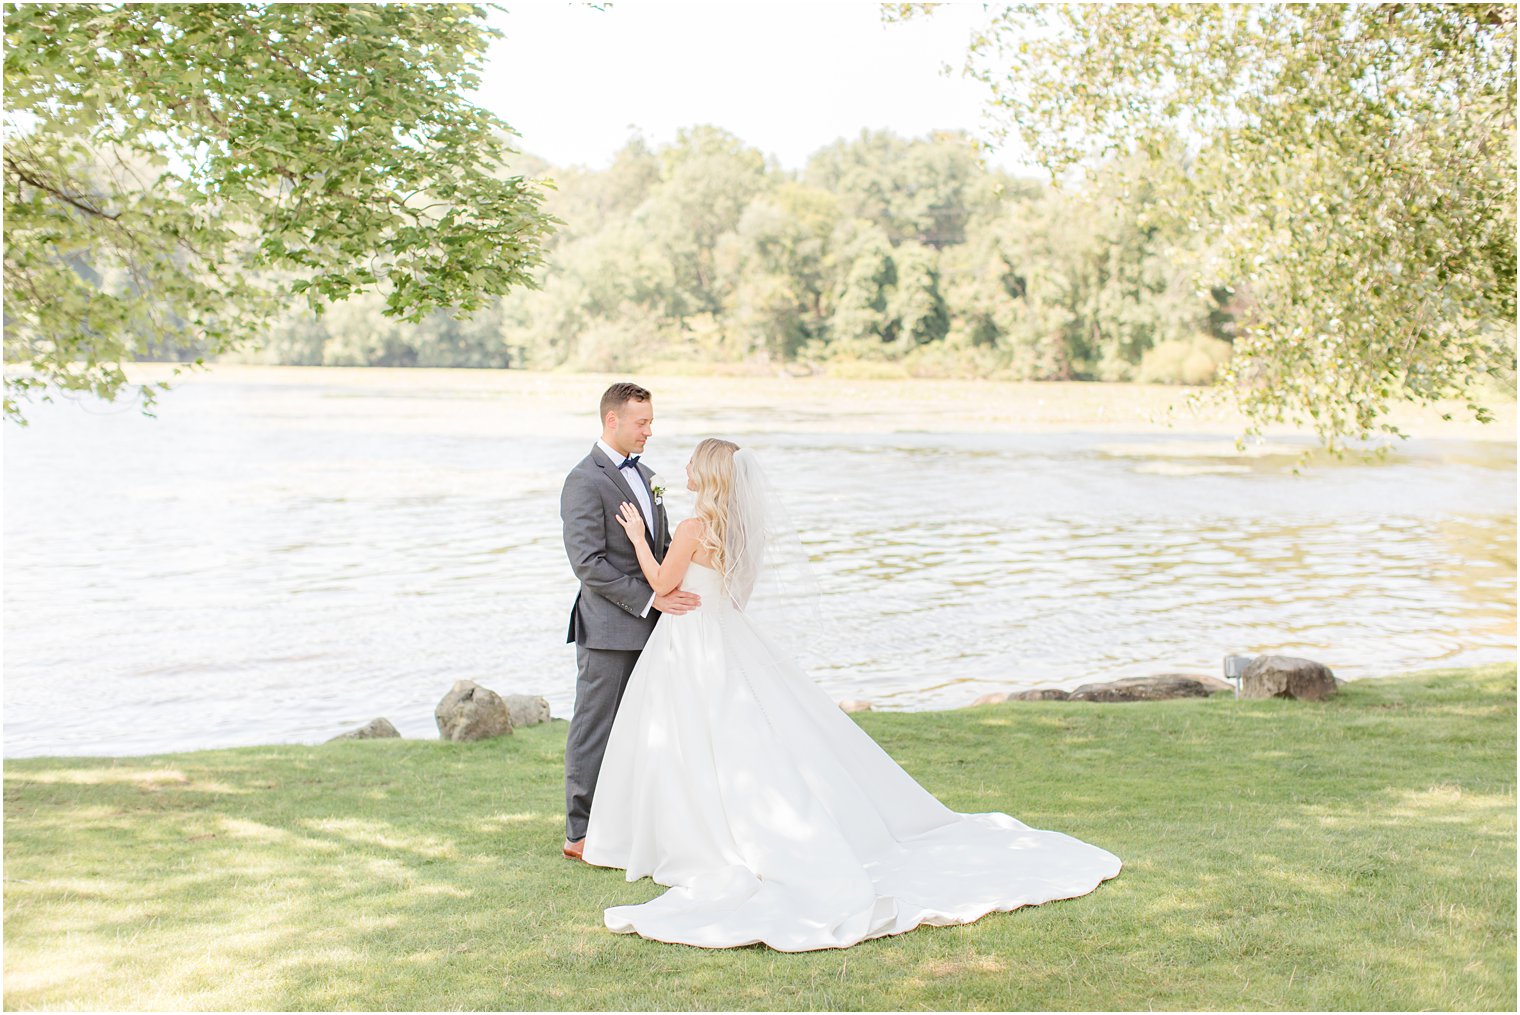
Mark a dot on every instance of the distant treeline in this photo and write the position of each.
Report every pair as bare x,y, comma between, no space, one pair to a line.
884,255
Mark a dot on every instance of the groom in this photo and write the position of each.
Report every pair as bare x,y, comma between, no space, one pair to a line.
616,609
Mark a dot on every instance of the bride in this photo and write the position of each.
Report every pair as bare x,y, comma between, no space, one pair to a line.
773,818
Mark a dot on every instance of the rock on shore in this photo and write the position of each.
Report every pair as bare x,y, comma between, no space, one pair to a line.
1287,677
472,712
1264,677
372,730
526,710
1156,688
1037,694
1161,687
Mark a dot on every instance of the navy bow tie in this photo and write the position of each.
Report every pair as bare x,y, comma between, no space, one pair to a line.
629,462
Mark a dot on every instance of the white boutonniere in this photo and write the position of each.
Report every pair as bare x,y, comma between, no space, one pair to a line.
657,488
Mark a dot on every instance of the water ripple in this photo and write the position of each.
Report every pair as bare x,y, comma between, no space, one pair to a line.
272,563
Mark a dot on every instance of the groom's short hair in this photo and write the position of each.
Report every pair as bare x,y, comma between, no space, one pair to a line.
621,393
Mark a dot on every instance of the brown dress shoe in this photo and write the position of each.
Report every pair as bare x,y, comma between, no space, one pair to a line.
573,850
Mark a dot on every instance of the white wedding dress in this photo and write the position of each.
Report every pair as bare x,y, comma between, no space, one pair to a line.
734,779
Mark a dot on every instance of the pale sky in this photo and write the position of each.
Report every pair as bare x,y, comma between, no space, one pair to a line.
787,78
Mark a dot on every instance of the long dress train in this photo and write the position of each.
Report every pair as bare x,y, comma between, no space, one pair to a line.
734,779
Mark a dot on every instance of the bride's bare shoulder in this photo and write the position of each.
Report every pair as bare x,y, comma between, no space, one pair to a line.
693,529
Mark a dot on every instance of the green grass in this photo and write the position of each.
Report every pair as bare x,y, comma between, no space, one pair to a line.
1353,854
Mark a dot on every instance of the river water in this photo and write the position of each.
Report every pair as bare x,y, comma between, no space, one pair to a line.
284,554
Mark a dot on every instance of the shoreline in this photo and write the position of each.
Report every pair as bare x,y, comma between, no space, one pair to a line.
942,405
968,707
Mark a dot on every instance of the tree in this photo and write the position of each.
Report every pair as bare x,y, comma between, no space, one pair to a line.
709,179
1352,165
916,304
174,173
859,323
913,189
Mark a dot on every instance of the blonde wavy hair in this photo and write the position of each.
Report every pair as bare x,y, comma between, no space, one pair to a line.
712,468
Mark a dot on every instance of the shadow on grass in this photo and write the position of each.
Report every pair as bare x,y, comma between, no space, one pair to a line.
1357,853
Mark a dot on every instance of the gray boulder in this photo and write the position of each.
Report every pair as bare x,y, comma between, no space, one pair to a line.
372,730
472,712
1287,677
1040,694
526,710
1037,694
1158,688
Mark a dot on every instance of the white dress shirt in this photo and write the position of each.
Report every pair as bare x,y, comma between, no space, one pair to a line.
635,480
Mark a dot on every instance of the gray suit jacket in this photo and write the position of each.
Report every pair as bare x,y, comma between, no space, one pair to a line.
613,590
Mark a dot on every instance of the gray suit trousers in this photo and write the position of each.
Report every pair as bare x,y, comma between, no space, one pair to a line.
608,622
601,678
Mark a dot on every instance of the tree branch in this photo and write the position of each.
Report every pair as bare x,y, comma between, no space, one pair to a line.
28,178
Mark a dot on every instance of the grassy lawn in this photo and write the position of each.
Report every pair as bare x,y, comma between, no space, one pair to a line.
1355,854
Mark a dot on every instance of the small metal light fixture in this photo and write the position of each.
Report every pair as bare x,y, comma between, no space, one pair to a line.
1235,669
